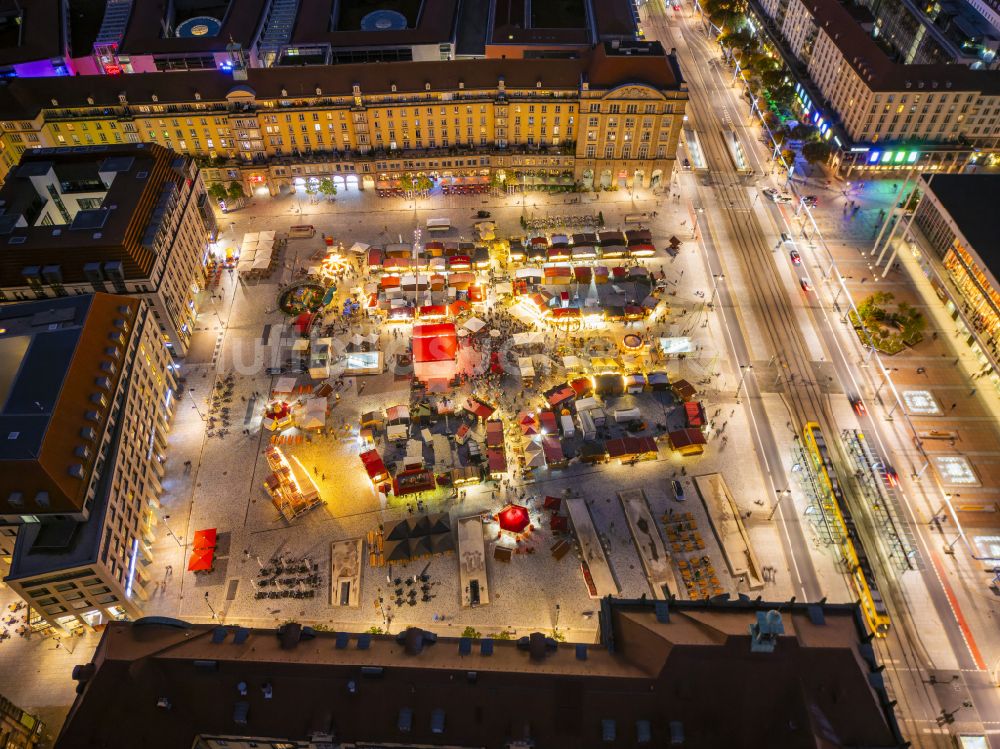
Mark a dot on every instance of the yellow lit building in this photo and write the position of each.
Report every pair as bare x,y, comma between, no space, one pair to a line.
610,118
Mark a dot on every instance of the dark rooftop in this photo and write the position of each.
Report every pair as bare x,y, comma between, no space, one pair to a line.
112,233
239,19
970,199
314,25
30,30
661,669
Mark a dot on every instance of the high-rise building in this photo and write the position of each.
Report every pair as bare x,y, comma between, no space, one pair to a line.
126,219
679,673
87,395
608,117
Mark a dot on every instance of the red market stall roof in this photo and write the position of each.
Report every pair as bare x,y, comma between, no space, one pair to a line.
565,313
457,307
435,342
693,413
205,539
683,438
494,433
432,310
201,560
558,394
684,390
626,447
497,460
619,273
558,523
552,503
478,408
459,261
548,421
583,274
582,386
411,482
389,282
374,466
514,519
552,449
374,257
303,322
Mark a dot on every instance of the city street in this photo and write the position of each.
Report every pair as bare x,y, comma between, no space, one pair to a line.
944,618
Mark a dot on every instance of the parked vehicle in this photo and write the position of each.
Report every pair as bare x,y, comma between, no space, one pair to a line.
858,405
678,489
806,286
795,257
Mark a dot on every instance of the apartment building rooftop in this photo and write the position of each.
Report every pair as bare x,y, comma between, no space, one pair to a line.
125,184
970,200
603,65
30,30
343,23
56,362
879,71
708,673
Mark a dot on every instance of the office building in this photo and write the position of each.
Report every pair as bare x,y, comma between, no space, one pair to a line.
41,37
664,673
87,390
879,113
609,118
126,219
18,729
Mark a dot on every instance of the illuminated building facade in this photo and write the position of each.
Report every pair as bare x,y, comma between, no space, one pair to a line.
86,410
125,219
953,234
609,118
882,115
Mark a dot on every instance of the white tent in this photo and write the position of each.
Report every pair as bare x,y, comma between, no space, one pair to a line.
244,265
529,339
251,236
396,432
504,287
284,385
372,339
266,235
474,324
265,244
437,263
262,263
263,253
359,247
300,344
314,414
248,252
572,362
526,366
528,273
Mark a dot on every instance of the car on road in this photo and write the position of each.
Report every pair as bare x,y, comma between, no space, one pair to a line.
795,257
678,490
858,405
777,197
891,477
687,164
810,200
806,286
785,237
274,370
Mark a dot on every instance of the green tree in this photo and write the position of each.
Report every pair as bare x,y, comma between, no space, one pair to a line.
804,132
737,39
783,96
327,188
504,635
471,632
423,183
236,192
772,78
816,152
788,156
406,182
761,63
218,191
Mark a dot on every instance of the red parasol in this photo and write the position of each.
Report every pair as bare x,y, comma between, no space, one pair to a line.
514,518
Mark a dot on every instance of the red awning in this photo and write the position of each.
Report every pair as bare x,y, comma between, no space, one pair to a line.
560,394
201,560
582,386
205,539
432,310
548,421
565,313
552,503
432,330
389,282
514,518
459,261
457,307
478,408
630,446
497,460
558,523
374,466
583,274
682,438
552,449
434,349
692,411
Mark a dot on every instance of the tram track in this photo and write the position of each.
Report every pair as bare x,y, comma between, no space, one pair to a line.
901,652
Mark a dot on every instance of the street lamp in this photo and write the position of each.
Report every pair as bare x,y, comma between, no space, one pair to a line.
210,607
746,368
781,496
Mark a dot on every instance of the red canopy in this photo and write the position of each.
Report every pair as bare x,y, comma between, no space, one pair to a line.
373,465
552,449
201,560
497,460
558,523
626,447
205,539
303,321
582,386
514,518
552,503
692,410
432,310
434,342
478,408
431,330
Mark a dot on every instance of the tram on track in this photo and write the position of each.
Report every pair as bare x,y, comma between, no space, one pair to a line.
851,546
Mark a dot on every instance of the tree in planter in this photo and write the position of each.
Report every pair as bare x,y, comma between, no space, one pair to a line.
472,633
235,192
816,152
423,183
772,78
406,182
311,191
761,63
218,191
326,187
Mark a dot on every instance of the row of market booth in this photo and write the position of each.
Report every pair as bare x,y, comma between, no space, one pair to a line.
433,256
606,245
257,253
290,486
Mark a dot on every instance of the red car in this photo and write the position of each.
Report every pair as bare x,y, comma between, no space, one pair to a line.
806,286
858,405
795,257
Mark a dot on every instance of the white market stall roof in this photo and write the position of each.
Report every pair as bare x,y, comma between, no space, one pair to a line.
266,235
261,263
301,344
314,413
360,247
284,385
572,362
528,339
474,324
251,236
